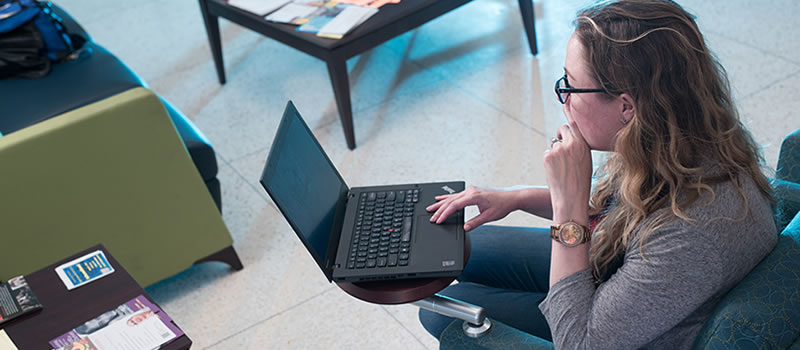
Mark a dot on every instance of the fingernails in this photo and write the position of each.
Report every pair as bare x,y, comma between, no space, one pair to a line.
467,227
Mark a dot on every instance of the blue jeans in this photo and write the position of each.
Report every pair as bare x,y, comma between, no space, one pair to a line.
507,274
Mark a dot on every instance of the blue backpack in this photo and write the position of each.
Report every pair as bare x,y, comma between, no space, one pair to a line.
32,37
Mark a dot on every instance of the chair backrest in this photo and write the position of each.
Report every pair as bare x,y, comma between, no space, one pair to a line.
762,311
113,172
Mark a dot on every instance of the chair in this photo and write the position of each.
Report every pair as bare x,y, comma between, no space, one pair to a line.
761,312
113,172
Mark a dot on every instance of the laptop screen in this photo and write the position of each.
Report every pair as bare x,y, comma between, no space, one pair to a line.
304,184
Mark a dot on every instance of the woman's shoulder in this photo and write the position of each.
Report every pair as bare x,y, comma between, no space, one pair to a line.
733,221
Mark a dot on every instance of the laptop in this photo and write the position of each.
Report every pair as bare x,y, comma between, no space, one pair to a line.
360,233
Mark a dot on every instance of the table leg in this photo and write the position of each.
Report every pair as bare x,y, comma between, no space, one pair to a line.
337,69
526,9
212,29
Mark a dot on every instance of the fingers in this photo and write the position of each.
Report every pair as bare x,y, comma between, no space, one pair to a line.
576,132
440,199
481,219
449,208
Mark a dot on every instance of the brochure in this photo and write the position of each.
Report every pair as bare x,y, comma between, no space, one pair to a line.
329,19
136,325
16,299
259,7
85,269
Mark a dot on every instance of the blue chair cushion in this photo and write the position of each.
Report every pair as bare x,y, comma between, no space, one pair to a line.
763,311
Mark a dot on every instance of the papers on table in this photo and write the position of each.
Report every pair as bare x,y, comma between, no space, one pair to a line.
292,13
370,3
5,341
328,19
345,21
259,7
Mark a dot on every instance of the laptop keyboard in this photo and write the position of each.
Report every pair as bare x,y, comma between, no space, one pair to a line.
382,232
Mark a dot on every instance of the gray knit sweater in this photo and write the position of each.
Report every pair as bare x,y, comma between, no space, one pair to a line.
663,303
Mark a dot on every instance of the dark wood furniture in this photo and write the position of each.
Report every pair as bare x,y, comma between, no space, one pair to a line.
391,21
64,310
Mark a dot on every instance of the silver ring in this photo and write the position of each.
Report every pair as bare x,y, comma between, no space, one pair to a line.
553,141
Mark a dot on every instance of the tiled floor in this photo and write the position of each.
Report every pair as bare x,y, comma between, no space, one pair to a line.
458,98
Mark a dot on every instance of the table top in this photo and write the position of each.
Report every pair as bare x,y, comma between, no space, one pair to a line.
65,309
389,14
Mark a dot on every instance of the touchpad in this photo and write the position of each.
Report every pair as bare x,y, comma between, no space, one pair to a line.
428,231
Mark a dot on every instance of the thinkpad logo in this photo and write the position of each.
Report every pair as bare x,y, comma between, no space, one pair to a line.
446,263
448,189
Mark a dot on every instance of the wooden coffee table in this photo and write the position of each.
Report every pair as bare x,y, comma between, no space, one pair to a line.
391,21
64,310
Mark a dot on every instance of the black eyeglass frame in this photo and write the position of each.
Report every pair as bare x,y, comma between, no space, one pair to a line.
569,90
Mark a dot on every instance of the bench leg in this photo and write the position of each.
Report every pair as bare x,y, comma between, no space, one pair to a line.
226,255
212,29
337,69
526,9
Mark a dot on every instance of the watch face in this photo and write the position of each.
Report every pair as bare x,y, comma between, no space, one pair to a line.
571,234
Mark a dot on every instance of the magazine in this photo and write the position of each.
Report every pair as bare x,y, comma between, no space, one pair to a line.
135,325
16,299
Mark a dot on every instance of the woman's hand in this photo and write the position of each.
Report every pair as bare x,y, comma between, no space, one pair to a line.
568,167
492,204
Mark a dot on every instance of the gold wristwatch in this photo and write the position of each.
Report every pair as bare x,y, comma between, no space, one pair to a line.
570,233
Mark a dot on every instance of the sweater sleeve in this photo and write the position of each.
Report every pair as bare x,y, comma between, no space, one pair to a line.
642,300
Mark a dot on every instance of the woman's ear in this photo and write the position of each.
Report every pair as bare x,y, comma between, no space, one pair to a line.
628,109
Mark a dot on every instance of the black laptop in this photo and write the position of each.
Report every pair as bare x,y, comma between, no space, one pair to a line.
360,233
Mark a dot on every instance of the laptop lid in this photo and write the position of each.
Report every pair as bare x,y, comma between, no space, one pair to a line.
306,187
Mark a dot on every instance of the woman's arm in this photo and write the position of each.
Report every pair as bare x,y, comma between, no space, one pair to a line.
533,199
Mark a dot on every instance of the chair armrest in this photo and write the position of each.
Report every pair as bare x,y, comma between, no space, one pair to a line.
788,196
789,158
500,336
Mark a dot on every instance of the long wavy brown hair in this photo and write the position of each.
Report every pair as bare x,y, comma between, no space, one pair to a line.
686,135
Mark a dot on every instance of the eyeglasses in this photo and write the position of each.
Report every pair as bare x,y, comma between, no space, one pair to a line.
563,89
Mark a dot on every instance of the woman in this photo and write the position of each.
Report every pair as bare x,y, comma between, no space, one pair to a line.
680,213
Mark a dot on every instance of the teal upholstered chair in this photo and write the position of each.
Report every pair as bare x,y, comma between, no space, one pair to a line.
761,312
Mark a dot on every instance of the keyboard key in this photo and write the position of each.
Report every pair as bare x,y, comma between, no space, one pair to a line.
404,250
393,250
351,265
390,196
383,254
403,262
403,257
381,262
371,197
393,260
401,196
406,234
371,263
361,265
381,194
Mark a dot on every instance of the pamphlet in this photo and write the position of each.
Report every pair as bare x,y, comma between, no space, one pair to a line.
329,19
85,269
259,7
293,13
136,325
16,299
344,22
5,342
370,3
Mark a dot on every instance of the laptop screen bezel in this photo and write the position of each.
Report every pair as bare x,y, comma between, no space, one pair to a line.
269,170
